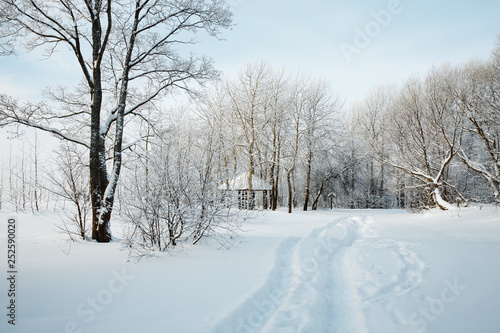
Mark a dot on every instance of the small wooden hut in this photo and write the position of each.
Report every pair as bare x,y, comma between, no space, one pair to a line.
238,187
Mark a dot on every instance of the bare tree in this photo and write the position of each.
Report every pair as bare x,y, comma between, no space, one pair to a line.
275,129
369,120
319,120
212,216
155,203
420,128
248,103
274,122
295,133
478,99
215,114
71,183
126,53
425,129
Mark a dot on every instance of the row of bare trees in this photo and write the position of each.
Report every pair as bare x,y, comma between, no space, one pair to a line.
35,179
431,141
422,144
275,126
437,129
20,176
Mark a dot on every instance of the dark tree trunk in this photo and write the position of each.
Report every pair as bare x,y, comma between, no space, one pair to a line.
274,194
308,180
290,192
273,185
98,170
372,190
108,187
98,181
318,195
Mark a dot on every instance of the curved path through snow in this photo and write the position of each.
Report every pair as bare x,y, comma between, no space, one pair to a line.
324,281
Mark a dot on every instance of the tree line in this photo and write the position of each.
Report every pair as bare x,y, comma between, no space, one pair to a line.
432,141
438,133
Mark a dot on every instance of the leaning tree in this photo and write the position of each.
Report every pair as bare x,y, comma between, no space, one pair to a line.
423,129
129,55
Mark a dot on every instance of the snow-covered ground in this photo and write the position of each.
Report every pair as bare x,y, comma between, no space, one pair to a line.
327,271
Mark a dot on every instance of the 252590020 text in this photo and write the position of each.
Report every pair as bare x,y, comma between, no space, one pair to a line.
11,271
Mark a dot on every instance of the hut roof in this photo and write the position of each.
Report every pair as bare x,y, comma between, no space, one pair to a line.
241,183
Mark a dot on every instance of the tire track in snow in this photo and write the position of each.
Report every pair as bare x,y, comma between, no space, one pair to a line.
344,313
256,310
301,293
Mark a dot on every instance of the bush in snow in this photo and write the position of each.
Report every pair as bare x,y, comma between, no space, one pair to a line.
172,193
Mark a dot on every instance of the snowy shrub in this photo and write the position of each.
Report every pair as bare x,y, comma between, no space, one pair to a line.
172,194
71,183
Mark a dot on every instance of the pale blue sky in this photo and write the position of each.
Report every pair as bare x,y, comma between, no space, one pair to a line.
308,35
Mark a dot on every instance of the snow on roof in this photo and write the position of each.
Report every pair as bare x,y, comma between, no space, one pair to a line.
241,183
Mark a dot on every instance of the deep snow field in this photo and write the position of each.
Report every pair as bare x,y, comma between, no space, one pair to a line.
326,271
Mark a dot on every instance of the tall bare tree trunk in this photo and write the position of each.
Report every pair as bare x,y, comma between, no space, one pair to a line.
290,191
275,172
276,188
308,179
98,171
